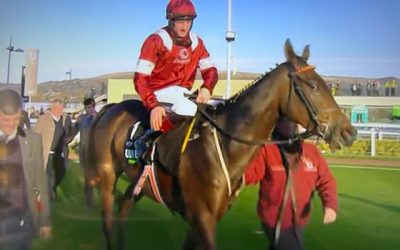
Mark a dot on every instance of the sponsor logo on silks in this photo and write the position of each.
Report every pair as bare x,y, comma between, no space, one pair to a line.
184,56
277,167
308,165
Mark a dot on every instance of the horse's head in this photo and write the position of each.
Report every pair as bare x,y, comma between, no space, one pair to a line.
310,103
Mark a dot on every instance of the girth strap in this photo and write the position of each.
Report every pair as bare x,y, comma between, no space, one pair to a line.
149,171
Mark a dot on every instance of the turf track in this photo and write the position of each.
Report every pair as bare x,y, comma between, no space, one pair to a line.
369,218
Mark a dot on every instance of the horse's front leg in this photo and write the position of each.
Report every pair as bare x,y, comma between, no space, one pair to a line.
107,200
202,233
107,182
126,204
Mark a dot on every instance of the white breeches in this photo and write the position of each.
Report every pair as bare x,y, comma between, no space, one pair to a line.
174,95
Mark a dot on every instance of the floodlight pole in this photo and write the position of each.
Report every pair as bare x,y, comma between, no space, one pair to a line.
10,49
230,37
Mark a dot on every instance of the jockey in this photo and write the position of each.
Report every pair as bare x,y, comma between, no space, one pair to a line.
167,68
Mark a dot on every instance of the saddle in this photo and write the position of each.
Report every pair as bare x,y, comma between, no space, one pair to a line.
169,145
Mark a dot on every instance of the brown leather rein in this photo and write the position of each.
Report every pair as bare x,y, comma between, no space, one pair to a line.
294,82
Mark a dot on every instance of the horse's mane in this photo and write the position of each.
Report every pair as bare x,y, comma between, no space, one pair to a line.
247,87
105,108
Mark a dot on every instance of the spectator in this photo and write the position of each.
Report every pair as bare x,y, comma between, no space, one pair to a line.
92,92
393,86
33,113
25,122
288,176
377,88
332,87
54,128
338,87
354,89
387,88
24,204
103,89
359,88
369,88
82,125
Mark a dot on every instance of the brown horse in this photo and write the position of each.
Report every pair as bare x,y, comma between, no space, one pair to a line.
198,189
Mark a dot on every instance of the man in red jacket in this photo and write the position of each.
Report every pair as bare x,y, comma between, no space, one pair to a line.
288,176
167,67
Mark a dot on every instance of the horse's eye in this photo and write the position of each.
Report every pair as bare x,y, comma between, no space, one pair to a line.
314,85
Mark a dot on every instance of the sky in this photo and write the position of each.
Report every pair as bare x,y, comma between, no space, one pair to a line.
95,37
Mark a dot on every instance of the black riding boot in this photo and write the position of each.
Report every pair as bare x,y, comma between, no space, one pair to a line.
144,142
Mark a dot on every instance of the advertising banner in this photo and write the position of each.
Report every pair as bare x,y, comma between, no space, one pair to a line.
31,71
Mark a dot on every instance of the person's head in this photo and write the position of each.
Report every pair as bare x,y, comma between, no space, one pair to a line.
57,107
90,105
284,129
180,15
10,111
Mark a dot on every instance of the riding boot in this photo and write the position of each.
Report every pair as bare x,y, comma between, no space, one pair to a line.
144,142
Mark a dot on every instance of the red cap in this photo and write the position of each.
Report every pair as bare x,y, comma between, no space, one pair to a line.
180,8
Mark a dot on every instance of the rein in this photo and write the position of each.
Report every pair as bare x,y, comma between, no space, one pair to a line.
294,79
246,141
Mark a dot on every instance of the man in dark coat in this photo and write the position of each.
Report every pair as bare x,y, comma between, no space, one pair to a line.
24,204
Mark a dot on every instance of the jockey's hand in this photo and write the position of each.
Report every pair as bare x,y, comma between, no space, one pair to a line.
45,232
156,117
329,215
203,96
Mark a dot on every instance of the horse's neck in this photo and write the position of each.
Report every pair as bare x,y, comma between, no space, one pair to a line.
251,117
253,114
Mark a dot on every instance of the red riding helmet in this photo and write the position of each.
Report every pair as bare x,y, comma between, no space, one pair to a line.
180,8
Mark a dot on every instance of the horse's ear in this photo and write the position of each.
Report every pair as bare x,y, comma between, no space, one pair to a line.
289,53
306,53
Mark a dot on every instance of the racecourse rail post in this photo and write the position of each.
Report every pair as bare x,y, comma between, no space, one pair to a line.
373,142
380,135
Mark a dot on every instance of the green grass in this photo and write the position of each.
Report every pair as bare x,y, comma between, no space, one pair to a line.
369,218
377,157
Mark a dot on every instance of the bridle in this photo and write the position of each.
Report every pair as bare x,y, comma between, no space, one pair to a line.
295,78
294,83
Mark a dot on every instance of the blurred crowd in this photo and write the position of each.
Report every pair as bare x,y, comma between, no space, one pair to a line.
368,88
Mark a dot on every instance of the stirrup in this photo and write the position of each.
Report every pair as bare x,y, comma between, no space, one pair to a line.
143,143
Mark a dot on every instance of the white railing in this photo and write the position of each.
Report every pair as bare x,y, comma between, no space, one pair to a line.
377,130
377,125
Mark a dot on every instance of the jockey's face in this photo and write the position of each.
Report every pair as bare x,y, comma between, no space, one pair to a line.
182,27
9,123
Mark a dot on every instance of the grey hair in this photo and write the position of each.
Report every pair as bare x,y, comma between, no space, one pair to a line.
10,101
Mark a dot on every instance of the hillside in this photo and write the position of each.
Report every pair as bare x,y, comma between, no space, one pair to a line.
75,90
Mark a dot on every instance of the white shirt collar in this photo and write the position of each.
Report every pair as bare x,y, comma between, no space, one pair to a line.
10,137
56,118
